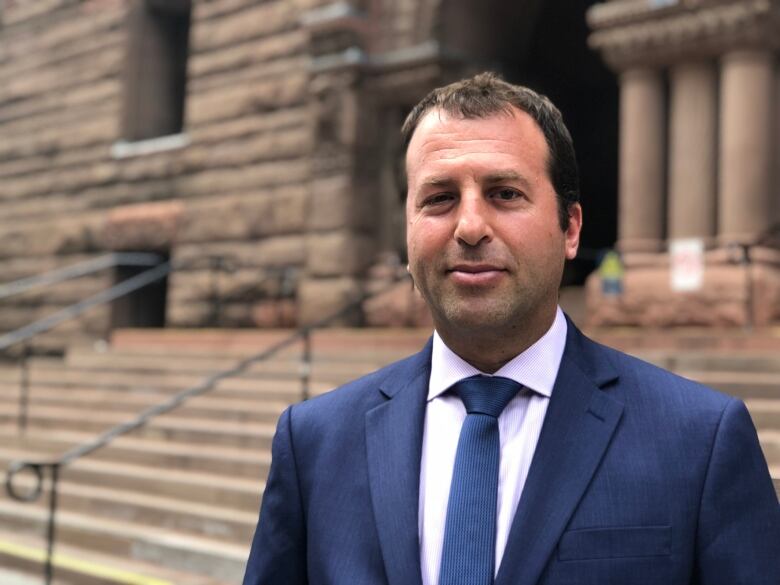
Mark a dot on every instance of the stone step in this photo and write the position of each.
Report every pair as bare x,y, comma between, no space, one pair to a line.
770,443
166,358
690,340
229,461
126,375
765,412
768,362
744,385
154,366
243,388
61,375
14,576
195,364
196,431
77,566
195,486
331,341
196,518
202,339
129,405
121,538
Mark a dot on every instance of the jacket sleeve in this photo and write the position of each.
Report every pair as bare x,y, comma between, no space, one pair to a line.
738,540
278,554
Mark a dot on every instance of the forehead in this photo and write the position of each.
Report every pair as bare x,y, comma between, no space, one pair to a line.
444,139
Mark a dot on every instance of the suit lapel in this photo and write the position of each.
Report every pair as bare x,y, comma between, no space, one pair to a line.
394,432
581,419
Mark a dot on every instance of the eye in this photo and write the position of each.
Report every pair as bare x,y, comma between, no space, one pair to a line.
438,199
506,194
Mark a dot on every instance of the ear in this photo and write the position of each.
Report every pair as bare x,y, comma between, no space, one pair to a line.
572,233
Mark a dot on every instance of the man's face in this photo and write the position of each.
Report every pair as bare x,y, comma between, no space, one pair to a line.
485,246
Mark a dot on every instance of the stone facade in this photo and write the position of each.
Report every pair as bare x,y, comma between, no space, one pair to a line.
285,172
281,105
281,193
699,152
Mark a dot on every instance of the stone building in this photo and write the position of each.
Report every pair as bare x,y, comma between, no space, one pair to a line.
262,136
699,160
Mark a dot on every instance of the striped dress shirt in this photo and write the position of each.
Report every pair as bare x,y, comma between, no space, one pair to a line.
519,426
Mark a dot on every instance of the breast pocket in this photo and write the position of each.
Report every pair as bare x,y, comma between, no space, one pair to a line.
626,555
615,543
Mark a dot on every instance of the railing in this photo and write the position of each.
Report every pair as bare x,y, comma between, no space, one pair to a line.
56,276
76,270
106,296
24,334
52,468
159,270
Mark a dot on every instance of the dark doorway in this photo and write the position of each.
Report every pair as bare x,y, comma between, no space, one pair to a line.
558,63
543,44
144,307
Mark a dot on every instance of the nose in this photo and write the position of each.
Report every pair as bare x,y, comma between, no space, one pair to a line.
473,220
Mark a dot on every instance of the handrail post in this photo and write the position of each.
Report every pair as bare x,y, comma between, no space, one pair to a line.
216,263
305,367
749,304
51,526
740,255
24,388
37,469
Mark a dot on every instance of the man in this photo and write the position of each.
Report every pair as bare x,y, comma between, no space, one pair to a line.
605,470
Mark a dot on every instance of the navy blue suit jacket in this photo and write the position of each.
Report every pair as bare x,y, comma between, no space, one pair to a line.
640,477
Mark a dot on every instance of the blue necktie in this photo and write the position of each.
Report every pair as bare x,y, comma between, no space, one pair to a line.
468,554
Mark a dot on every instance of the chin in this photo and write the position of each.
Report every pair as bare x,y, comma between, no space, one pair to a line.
482,318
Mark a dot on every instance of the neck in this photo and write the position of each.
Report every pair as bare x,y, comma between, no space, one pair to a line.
489,350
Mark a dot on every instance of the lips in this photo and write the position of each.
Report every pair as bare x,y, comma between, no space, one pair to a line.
476,274
475,268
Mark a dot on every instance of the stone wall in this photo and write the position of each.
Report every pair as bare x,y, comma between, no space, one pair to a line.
284,174
237,186
275,171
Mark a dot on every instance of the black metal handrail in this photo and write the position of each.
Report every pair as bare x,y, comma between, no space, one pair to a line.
54,466
160,269
84,268
70,312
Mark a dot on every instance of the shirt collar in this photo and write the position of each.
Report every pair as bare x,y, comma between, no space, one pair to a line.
536,368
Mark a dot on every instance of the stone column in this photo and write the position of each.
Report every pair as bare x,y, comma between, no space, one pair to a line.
747,104
641,186
340,241
692,151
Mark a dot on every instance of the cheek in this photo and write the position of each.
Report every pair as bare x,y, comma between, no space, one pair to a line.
421,238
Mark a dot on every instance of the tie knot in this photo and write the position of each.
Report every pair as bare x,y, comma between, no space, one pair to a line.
486,394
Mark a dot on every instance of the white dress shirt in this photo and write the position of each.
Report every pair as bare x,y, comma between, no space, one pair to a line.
519,426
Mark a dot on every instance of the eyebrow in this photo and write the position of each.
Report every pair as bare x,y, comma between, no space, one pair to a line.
491,179
437,181
501,176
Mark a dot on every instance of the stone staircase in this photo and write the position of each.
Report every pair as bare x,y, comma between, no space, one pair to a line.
175,503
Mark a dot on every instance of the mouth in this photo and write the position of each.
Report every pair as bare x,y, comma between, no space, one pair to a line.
476,274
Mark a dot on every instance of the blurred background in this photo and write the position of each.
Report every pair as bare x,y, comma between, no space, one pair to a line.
184,183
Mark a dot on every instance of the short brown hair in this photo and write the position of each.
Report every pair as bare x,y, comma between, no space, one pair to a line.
485,95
